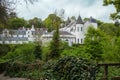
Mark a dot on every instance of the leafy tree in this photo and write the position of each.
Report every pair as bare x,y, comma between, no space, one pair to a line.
116,4
73,17
52,21
37,52
7,10
116,54
111,50
108,28
94,42
3,13
16,23
37,22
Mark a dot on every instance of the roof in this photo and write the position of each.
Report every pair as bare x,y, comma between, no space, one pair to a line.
13,38
79,20
18,32
64,33
60,33
92,20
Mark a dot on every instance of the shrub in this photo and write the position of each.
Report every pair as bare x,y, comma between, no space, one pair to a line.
70,68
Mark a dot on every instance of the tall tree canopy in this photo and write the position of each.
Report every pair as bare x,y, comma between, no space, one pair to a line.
37,22
52,22
15,23
7,9
94,42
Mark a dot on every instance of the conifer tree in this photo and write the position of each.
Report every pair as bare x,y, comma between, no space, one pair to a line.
54,47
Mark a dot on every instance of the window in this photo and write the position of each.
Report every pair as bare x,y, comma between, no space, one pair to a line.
78,40
77,29
81,28
81,40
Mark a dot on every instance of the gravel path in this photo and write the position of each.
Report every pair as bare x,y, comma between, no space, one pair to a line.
2,77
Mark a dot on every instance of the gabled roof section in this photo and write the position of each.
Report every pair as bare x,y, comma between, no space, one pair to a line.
92,20
79,20
64,33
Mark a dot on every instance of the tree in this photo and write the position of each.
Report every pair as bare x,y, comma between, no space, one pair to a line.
55,45
109,29
16,23
73,18
52,21
37,22
116,4
13,15
6,8
3,13
94,42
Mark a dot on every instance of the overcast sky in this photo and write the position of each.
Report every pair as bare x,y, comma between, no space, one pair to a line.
85,8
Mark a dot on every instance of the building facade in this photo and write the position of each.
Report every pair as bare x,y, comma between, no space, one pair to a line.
22,35
76,30
73,33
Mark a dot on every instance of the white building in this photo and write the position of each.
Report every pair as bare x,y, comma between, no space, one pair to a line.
75,30
22,35
73,33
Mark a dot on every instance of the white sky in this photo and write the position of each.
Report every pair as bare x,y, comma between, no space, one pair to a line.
85,8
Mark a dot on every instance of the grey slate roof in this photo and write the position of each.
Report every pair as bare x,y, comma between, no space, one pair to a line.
64,33
79,20
13,38
61,33
17,32
93,20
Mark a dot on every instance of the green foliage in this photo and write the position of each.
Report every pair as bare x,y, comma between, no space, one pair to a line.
78,51
37,52
3,12
4,49
55,45
23,53
109,29
15,23
37,22
70,68
116,54
46,51
52,22
99,23
116,4
73,17
94,43
18,69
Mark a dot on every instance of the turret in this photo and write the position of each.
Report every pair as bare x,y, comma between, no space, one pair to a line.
79,20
